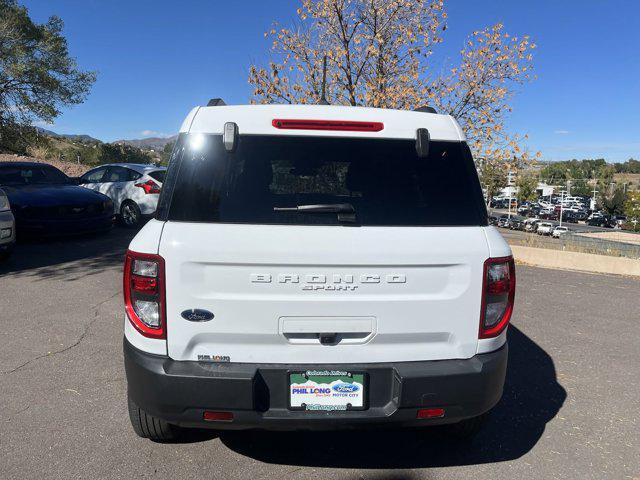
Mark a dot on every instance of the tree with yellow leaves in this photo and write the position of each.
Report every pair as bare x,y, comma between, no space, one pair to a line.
378,55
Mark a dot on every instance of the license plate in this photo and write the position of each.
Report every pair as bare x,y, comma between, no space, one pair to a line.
327,390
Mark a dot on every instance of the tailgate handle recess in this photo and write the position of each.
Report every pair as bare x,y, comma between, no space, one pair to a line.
327,330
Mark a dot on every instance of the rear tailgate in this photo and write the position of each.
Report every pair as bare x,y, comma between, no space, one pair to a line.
377,294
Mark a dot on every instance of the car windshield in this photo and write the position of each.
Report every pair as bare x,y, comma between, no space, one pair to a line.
284,179
32,175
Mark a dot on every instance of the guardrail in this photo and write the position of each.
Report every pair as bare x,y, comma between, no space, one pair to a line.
576,242
580,243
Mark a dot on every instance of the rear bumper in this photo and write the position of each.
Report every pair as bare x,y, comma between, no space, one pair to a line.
148,205
180,392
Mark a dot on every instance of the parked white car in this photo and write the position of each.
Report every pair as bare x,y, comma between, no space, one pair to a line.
545,228
559,231
134,188
308,269
7,227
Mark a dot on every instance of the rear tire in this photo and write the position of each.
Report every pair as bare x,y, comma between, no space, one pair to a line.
467,429
130,214
148,426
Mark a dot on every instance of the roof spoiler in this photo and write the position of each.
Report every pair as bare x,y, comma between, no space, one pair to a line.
426,109
216,102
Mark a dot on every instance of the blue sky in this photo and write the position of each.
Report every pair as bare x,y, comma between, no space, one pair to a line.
157,59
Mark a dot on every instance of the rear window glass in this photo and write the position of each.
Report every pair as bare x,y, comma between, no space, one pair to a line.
383,180
158,175
32,175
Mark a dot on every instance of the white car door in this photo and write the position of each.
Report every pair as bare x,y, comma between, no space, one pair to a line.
93,178
114,185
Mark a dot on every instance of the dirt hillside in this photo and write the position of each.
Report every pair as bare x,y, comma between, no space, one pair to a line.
70,168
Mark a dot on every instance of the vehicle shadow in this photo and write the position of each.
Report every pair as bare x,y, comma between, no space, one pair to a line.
69,258
532,397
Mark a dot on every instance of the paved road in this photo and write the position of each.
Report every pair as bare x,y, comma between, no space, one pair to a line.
570,408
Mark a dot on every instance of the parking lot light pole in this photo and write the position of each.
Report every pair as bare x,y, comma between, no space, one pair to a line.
561,205
510,184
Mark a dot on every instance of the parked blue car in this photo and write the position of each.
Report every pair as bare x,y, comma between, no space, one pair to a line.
45,202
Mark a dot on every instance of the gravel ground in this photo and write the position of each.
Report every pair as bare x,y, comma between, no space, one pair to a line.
570,408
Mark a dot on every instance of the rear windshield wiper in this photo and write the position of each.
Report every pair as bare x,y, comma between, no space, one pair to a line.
345,211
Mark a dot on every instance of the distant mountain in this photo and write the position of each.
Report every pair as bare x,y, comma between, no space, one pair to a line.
77,138
151,143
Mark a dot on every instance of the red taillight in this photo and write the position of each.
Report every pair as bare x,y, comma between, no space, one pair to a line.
149,187
498,294
144,284
430,413
340,125
144,293
218,416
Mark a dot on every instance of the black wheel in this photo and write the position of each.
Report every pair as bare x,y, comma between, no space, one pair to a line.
130,214
148,426
467,429
5,254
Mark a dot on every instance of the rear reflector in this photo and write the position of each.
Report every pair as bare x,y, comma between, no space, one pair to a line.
430,413
339,125
218,416
144,284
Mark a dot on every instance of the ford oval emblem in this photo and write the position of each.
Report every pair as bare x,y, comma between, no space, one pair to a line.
345,388
197,315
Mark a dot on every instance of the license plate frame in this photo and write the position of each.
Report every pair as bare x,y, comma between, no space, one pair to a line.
328,402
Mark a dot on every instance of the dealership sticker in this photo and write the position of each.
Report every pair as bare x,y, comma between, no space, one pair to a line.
320,394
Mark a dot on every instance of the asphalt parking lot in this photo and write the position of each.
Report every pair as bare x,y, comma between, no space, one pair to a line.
570,408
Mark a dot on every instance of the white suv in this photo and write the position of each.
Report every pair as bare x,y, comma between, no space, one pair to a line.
558,231
134,188
545,228
306,270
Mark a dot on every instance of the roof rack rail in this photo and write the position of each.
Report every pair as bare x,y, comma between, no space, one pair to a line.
216,102
426,109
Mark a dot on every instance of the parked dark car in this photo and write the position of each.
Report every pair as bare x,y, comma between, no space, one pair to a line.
493,220
516,224
549,216
595,221
604,221
533,212
569,216
45,202
582,215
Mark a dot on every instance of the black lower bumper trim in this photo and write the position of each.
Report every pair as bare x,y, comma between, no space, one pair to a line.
180,391
7,247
